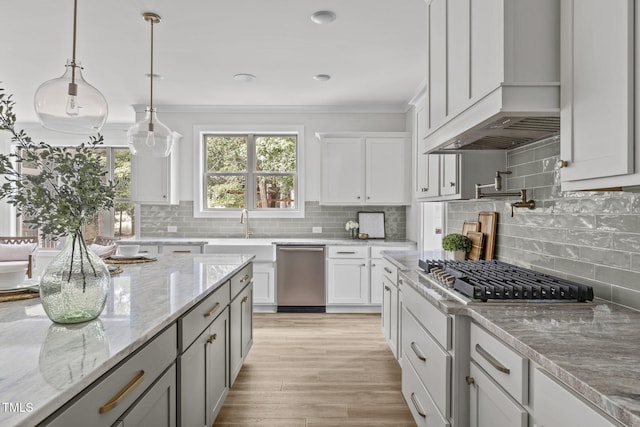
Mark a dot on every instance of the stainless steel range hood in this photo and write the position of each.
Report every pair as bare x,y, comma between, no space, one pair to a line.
503,131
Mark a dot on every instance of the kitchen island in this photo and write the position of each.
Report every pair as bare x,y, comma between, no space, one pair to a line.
45,365
590,350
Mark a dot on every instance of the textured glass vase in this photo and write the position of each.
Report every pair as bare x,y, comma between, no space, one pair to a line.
75,284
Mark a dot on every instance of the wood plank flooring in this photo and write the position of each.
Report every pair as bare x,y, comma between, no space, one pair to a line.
317,370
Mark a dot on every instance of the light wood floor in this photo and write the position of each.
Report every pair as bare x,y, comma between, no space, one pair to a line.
317,370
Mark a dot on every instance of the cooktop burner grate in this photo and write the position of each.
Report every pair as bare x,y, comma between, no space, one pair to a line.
496,280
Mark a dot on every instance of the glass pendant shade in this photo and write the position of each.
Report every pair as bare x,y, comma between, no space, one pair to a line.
70,104
149,137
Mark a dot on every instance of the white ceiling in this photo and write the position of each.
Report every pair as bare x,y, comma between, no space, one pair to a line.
375,52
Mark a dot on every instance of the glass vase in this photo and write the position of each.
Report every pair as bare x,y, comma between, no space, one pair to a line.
75,284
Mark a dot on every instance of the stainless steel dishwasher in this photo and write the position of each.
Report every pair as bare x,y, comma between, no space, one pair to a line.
300,278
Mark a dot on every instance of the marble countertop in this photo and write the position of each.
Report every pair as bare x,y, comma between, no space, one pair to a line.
593,347
45,364
258,241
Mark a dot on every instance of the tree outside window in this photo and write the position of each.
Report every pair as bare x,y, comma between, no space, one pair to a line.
254,171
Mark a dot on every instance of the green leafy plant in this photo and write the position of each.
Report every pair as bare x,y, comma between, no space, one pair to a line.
456,242
67,186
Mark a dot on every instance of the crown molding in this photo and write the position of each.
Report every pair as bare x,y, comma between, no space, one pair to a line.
293,109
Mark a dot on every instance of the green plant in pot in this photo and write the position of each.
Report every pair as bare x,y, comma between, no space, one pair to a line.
457,245
67,191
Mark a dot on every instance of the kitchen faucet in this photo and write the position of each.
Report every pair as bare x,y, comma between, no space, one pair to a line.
244,212
497,184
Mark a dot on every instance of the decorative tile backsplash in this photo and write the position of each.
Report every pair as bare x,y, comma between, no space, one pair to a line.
589,237
156,218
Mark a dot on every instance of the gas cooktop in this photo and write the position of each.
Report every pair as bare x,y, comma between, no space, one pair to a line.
496,281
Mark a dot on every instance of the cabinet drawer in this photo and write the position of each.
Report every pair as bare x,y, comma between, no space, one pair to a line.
431,363
507,367
555,405
348,252
422,408
151,250
376,251
390,270
201,316
241,279
181,249
96,407
433,320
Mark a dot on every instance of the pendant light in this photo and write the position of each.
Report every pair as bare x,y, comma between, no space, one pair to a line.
150,137
68,103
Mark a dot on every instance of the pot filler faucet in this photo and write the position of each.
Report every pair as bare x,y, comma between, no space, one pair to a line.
497,184
244,213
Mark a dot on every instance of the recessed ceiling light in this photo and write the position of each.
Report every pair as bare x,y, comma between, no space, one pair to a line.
322,77
244,77
155,76
323,17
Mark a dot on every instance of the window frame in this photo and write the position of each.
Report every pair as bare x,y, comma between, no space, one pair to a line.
201,174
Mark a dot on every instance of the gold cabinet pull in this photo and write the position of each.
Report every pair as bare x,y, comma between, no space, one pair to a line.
386,288
122,393
387,270
212,338
470,380
417,406
213,310
246,297
245,277
492,360
418,353
562,164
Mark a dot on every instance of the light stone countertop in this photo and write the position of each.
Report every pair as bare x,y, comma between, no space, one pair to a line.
258,241
593,347
43,364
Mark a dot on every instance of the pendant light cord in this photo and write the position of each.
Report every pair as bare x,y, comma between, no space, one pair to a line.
151,81
73,52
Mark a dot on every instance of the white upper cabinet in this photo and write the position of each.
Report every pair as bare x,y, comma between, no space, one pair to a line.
598,83
493,70
154,179
365,169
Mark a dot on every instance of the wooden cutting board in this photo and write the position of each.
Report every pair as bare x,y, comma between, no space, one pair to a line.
477,243
470,226
488,227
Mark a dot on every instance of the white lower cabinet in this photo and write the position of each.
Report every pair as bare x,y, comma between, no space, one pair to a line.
490,406
347,275
264,283
422,407
555,405
498,382
390,314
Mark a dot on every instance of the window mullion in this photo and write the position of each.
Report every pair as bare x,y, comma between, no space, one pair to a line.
251,169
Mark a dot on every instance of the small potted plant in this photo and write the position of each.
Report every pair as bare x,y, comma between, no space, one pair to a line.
457,245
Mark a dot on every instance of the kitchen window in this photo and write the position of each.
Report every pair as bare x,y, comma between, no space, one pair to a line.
120,221
258,170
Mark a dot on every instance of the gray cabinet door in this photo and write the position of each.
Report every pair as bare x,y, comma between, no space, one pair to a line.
241,332
204,371
247,320
157,407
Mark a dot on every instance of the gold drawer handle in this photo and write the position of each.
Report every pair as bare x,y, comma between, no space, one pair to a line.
417,406
387,270
246,297
245,277
213,310
418,353
212,338
492,360
122,393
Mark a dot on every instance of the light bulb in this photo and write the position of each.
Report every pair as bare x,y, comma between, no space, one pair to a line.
151,139
72,108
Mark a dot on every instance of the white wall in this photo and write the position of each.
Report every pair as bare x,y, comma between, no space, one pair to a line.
183,123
